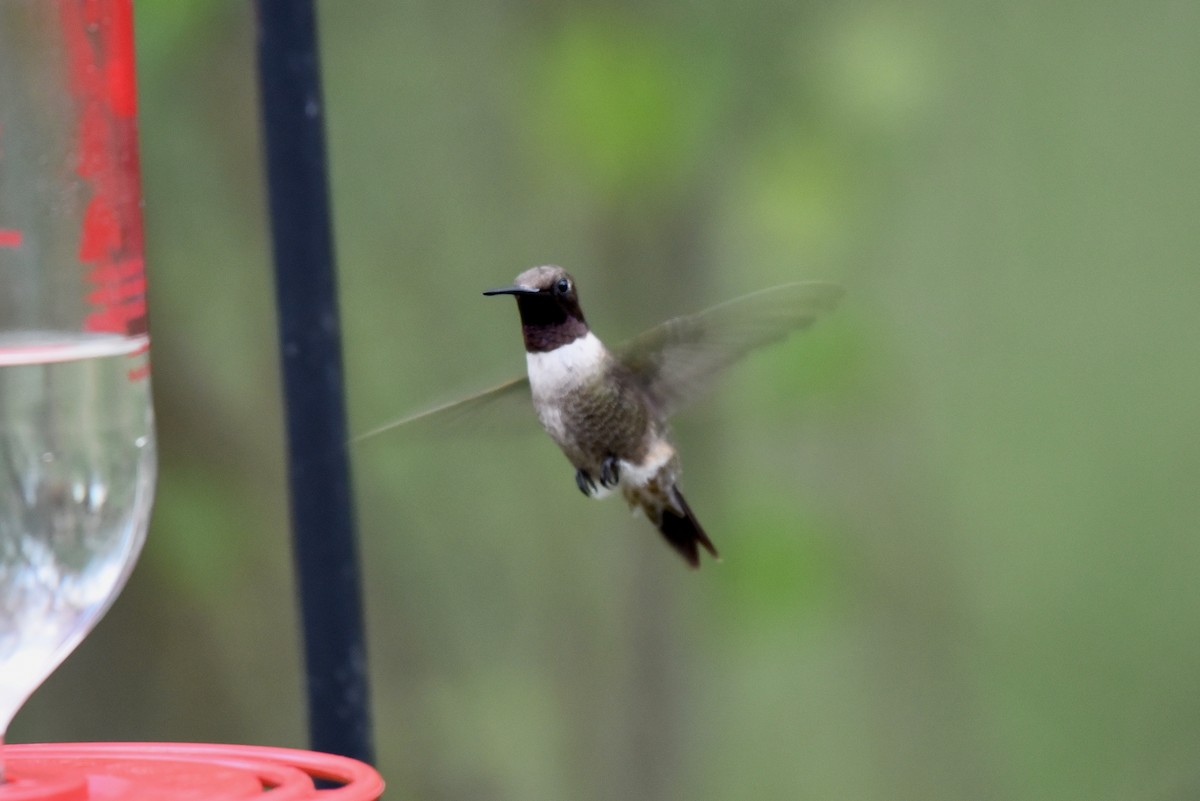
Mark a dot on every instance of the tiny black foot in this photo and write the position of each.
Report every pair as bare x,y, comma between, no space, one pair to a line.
584,481
610,472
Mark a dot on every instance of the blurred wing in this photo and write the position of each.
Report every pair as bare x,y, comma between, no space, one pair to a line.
510,399
676,361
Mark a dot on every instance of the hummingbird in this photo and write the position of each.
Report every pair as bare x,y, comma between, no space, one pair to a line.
608,410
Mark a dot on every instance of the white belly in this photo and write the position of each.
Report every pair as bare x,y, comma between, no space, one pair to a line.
556,372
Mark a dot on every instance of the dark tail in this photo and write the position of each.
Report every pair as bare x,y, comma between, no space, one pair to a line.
682,532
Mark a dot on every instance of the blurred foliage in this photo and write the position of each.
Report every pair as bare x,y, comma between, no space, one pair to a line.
622,105
958,519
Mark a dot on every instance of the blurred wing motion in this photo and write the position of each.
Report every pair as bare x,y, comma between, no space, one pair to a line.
674,362
678,360
510,395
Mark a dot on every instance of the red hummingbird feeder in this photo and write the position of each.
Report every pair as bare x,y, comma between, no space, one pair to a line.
181,772
76,421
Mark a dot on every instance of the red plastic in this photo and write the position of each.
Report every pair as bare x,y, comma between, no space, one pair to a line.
98,42
180,772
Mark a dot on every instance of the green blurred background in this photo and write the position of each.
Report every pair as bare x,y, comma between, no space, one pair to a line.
959,519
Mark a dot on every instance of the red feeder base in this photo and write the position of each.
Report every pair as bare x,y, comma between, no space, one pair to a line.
179,772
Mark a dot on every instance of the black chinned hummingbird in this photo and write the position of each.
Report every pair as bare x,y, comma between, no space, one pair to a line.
608,413
608,410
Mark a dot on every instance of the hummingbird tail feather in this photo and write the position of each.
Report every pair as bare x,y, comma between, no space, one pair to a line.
681,530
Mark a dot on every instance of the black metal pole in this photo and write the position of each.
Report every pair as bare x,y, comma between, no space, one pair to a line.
310,347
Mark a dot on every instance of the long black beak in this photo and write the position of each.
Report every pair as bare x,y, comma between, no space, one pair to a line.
515,289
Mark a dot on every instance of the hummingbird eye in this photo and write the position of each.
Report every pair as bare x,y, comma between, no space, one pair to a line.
563,286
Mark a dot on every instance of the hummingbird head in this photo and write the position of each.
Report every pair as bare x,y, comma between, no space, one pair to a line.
549,307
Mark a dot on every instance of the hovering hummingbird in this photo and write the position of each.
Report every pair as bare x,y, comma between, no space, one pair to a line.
608,410
608,414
